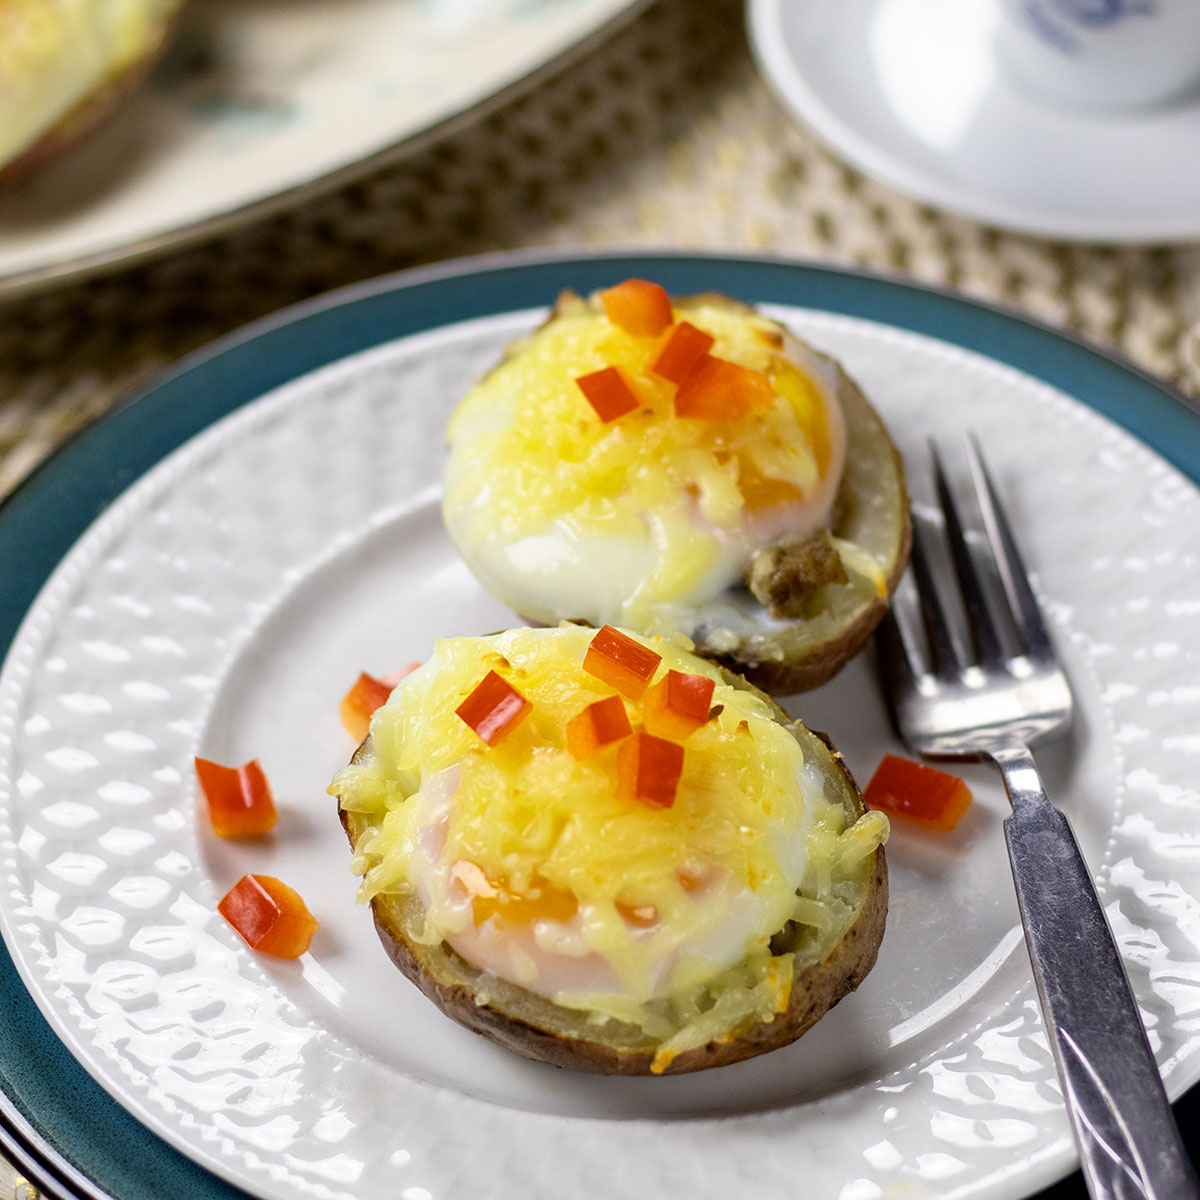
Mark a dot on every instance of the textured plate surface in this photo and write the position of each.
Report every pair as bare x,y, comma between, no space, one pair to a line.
256,98
224,604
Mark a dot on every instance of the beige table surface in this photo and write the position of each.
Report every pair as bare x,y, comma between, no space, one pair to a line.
665,136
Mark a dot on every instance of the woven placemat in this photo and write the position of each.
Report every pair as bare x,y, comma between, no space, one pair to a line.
14,1186
665,136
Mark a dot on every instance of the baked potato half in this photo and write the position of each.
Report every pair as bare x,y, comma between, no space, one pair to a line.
66,65
752,500
537,902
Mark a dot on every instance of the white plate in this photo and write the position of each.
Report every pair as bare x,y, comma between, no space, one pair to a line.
909,91
257,98
224,604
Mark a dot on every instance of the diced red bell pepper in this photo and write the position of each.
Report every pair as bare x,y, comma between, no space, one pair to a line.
270,916
599,726
622,663
686,346
677,705
719,390
918,792
494,709
608,393
240,801
648,770
638,307
367,694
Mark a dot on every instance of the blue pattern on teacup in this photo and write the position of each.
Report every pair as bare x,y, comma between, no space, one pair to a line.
1059,23
1101,13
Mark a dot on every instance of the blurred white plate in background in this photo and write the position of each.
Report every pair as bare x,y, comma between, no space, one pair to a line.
256,99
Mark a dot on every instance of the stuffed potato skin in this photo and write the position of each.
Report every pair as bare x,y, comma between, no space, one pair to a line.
538,1029
870,510
69,67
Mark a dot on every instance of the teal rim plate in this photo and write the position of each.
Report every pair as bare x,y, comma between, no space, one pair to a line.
58,1124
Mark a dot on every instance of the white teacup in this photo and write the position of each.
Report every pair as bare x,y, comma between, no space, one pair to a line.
1101,55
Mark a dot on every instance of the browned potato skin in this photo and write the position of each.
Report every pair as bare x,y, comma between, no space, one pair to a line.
518,1020
92,111
823,662
801,672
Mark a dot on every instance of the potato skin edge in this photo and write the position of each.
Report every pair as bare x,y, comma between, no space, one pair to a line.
92,111
821,665
815,989
814,992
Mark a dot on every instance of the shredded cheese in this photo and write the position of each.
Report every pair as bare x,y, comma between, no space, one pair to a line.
529,823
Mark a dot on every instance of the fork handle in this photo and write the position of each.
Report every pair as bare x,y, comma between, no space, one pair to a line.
1128,1140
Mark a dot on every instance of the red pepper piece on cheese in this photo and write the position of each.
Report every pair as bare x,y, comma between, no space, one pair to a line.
719,390
608,393
597,727
494,709
677,705
686,346
616,659
648,770
638,307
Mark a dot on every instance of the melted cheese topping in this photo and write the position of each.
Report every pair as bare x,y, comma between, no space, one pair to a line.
642,520
529,865
54,53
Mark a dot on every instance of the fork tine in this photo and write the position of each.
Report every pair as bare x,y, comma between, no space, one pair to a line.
948,656
984,631
897,657
1025,611
897,640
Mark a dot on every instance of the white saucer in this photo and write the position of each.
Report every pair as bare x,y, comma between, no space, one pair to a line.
908,91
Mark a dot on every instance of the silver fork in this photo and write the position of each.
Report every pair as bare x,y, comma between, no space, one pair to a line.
994,698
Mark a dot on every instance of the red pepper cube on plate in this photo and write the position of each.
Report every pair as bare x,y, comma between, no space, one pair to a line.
686,346
677,705
919,793
608,393
599,726
616,659
648,770
367,694
270,916
719,390
638,307
240,802
494,709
